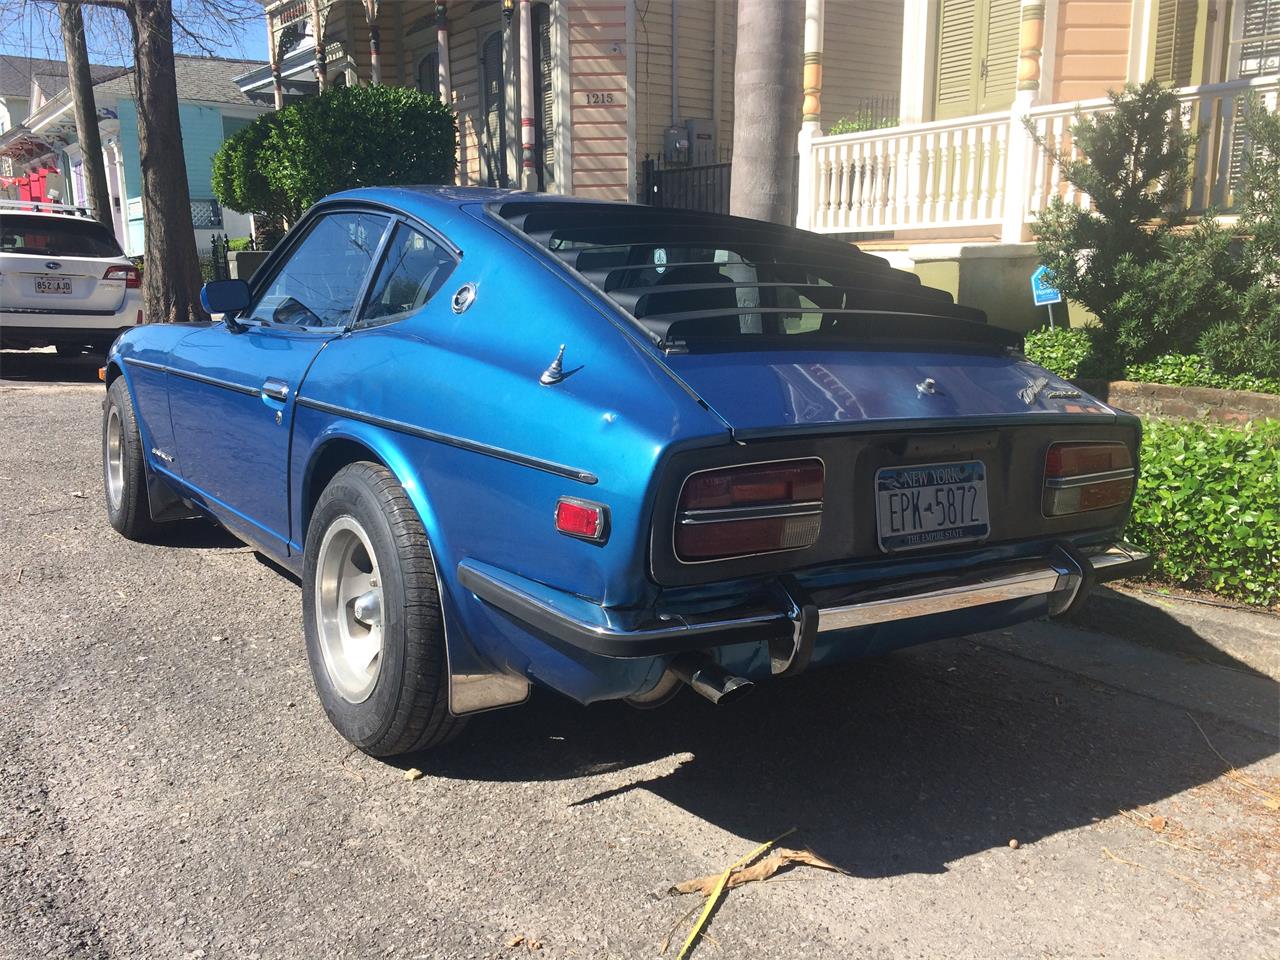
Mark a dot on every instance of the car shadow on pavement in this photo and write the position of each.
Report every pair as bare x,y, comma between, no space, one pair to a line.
896,765
45,366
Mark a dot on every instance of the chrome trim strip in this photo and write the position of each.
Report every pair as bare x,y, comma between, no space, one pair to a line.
1084,479
197,377
762,512
472,446
1031,583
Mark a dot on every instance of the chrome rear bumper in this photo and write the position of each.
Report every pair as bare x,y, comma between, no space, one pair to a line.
788,618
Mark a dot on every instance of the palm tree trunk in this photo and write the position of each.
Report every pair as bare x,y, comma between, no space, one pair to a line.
81,84
767,85
171,277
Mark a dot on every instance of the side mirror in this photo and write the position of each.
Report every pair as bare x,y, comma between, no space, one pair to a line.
224,296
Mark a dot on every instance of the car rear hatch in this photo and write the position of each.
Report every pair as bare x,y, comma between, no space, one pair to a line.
57,264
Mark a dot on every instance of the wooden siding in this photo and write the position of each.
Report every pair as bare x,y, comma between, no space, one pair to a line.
1092,54
861,55
598,99
697,28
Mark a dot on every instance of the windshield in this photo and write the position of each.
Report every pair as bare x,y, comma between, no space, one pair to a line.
56,237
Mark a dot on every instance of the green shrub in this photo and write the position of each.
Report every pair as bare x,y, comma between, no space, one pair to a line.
1061,350
1194,370
1156,286
240,243
347,137
860,124
1208,507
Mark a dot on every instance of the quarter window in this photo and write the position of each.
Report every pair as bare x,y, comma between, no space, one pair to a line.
412,270
320,281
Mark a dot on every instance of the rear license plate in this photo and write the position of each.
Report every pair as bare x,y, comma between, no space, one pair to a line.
931,505
53,285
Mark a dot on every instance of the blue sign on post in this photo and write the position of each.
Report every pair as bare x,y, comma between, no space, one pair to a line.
1042,288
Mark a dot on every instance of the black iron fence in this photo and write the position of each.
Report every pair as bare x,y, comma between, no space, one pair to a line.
699,186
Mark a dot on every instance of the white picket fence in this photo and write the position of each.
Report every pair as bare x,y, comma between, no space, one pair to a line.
989,172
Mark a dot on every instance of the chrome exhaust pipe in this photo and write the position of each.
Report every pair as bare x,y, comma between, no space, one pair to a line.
708,678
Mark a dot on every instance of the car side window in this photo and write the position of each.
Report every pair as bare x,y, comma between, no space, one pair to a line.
320,280
412,270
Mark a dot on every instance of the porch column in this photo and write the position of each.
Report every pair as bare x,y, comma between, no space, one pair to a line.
528,173
811,111
443,82
1017,175
318,18
277,86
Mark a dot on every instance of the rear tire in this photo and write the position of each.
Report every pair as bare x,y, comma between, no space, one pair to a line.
124,476
371,610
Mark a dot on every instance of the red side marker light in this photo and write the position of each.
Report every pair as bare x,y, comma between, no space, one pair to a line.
582,519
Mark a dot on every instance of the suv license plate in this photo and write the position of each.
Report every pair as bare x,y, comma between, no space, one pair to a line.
52,285
931,505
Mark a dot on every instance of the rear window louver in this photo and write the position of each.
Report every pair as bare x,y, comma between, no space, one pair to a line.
690,279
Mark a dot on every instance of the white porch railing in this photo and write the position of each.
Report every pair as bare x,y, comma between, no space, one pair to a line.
988,172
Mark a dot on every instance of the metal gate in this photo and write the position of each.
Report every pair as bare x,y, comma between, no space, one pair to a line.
703,186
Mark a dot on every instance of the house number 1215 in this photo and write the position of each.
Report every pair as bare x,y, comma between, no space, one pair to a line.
599,98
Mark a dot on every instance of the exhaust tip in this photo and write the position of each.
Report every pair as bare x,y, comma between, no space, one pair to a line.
709,679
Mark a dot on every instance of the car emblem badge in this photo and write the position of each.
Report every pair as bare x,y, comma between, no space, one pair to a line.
927,387
465,296
53,265
1031,391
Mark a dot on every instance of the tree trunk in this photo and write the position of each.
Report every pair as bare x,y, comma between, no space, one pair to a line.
171,275
767,85
81,85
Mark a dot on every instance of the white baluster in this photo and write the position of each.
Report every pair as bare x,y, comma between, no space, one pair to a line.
956,192
971,177
930,171
1001,158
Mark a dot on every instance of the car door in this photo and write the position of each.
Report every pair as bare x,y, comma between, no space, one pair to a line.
233,385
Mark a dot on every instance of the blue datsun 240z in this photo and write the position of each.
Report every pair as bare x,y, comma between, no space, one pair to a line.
508,438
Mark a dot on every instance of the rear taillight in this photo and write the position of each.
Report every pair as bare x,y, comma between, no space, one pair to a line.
130,275
1079,477
742,511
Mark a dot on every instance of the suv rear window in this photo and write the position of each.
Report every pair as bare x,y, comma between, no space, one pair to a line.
57,237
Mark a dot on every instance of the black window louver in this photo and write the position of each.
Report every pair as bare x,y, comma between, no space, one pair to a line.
694,280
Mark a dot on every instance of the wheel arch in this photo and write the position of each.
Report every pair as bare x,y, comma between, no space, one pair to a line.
330,456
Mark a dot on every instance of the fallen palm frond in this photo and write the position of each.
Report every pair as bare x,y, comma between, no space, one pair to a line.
745,870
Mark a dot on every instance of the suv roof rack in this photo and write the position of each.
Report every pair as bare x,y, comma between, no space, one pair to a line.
41,206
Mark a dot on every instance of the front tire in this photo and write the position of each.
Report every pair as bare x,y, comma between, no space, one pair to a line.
124,476
371,609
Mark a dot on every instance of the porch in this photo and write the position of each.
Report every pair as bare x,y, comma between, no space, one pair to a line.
987,177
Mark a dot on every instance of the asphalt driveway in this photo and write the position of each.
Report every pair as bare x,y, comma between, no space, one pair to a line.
169,786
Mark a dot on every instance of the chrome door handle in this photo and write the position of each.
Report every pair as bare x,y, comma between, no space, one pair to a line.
275,389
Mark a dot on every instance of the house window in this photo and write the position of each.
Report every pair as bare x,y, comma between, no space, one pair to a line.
206,214
494,147
1259,43
429,74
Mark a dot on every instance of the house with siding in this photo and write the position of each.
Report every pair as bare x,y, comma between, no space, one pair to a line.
569,96
42,159
987,94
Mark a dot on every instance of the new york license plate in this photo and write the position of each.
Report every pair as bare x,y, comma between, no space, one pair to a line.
53,285
931,505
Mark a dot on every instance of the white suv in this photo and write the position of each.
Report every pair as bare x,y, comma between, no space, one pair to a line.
64,281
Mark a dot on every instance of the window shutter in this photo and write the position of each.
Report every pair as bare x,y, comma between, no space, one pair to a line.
546,141
1000,76
957,59
494,148
1175,46
429,74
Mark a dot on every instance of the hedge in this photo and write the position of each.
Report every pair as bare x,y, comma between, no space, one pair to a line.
1208,507
1070,354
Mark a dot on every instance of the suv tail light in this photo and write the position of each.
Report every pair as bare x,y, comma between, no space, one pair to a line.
130,275
742,511
1079,477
